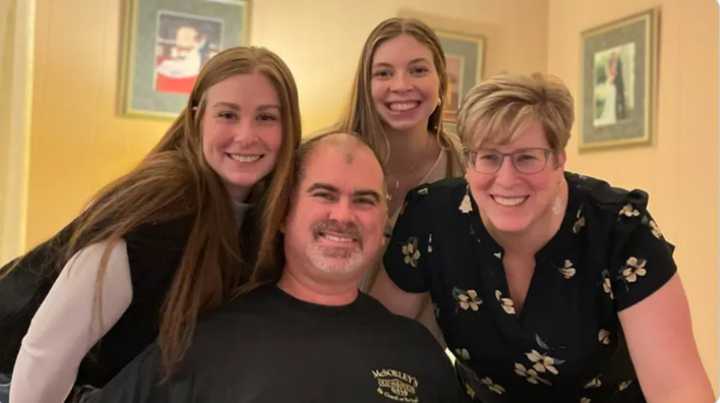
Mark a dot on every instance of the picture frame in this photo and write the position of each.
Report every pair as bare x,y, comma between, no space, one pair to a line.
465,59
617,82
166,43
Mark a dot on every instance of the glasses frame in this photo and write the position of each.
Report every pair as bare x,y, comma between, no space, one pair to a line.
471,155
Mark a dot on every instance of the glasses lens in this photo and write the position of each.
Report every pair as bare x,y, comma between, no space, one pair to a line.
530,161
487,161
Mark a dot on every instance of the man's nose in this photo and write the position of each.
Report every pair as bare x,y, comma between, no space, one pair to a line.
342,211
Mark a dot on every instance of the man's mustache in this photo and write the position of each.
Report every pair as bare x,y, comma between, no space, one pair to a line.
348,229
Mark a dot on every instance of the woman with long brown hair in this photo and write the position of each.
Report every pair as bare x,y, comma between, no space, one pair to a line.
396,105
175,237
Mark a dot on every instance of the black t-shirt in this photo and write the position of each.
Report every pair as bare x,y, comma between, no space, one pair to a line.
566,345
267,346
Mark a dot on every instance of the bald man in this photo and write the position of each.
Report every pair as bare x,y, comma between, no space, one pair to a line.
312,336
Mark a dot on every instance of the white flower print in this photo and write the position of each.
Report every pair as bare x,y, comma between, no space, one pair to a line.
607,284
655,229
411,252
465,205
429,248
604,336
423,191
462,353
594,383
579,222
469,391
541,362
568,271
467,299
530,375
487,381
629,211
498,255
585,400
506,303
624,385
634,269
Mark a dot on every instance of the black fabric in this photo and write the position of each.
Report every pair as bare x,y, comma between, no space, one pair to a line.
267,346
22,290
566,344
154,253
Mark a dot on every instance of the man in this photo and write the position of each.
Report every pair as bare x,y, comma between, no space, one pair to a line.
312,337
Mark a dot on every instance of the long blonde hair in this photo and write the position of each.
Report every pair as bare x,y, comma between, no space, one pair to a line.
361,116
174,180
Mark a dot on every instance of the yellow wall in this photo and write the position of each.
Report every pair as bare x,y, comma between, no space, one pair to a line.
16,43
7,39
80,143
680,169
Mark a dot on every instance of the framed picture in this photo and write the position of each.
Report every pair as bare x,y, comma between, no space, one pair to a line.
618,82
166,43
464,56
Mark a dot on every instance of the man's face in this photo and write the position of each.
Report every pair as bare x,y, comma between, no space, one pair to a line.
334,229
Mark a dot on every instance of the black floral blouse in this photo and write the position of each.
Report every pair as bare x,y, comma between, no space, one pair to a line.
566,345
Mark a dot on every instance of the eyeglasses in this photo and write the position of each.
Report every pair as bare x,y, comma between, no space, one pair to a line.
526,160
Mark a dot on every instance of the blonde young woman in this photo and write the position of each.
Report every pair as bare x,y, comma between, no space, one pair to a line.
170,240
550,286
397,102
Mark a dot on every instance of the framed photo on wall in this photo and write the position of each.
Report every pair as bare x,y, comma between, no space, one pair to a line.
464,56
618,82
166,43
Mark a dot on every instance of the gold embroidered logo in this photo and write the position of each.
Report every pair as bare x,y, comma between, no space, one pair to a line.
396,385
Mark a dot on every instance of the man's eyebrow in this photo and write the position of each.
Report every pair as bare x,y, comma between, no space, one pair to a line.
323,186
369,193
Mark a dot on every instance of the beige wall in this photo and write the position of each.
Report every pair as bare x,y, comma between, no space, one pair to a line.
680,169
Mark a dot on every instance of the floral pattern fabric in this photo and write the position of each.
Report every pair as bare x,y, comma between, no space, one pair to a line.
566,345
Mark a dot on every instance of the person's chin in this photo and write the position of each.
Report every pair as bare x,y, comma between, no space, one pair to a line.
509,225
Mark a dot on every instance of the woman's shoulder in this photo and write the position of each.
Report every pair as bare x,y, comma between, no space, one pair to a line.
442,191
162,233
603,196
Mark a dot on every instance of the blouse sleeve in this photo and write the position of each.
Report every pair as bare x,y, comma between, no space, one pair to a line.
642,260
65,328
407,256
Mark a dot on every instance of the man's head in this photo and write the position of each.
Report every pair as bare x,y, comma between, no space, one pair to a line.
338,210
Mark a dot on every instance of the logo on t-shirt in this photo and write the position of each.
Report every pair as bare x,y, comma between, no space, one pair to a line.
396,385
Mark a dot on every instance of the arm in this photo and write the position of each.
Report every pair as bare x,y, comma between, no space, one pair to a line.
396,300
65,328
659,336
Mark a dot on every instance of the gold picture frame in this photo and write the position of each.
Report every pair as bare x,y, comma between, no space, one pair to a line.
165,44
617,90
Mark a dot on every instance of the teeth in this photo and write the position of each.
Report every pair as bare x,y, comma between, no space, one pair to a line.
245,157
509,201
402,106
337,238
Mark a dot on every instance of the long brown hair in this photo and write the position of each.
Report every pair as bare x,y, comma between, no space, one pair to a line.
175,180
361,116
